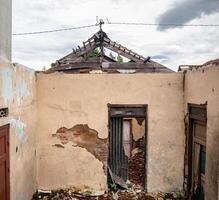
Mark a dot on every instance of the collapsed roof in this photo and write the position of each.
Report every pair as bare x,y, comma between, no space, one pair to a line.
210,63
81,60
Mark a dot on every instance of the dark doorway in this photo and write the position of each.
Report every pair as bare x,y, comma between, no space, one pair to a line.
196,149
4,162
127,144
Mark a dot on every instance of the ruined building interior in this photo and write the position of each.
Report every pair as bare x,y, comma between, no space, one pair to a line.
104,114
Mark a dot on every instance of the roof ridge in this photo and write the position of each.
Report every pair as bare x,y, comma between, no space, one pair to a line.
81,55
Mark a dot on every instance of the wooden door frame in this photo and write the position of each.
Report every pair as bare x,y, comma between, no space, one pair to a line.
199,113
145,116
7,127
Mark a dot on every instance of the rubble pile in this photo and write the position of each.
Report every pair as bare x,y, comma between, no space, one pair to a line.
70,195
131,194
136,172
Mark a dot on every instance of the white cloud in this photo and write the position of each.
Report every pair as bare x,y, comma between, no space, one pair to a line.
188,45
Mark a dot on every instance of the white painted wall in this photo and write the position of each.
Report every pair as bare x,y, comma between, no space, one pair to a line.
5,30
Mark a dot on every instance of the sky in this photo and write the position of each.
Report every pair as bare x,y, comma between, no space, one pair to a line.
170,46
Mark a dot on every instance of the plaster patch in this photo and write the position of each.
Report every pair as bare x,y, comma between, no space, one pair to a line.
19,129
7,84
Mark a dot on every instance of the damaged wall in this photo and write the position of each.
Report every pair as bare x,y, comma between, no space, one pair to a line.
18,93
203,86
68,100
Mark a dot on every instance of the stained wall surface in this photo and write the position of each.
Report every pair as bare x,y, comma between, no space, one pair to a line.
18,94
5,30
202,86
70,105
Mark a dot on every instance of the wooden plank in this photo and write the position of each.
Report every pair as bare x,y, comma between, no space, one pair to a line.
139,67
72,55
113,48
130,55
118,46
132,65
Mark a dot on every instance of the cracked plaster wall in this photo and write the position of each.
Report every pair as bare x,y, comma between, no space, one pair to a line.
67,100
18,93
203,86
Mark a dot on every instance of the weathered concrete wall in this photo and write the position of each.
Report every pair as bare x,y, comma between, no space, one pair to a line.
5,30
203,86
67,159
18,93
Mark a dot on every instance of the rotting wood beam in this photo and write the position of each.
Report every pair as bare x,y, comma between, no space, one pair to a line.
89,42
129,56
72,56
88,47
76,66
74,51
140,67
119,48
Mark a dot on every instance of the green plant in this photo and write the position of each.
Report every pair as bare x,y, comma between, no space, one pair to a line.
119,59
113,187
87,193
95,53
180,194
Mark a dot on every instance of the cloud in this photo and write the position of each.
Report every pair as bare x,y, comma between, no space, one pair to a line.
187,10
173,47
160,57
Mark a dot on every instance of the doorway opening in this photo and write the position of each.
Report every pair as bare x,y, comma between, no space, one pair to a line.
127,144
4,162
196,150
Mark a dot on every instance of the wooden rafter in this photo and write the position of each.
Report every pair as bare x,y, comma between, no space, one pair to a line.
79,59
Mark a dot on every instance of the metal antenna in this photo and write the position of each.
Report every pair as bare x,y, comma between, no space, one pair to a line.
101,23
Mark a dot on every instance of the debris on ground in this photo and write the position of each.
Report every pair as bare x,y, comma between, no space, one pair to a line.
131,194
137,174
68,195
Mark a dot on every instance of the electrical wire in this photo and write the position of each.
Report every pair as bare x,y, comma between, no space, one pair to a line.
55,30
115,23
158,24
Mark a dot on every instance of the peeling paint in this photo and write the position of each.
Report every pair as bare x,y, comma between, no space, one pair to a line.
7,84
83,136
19,129
22,90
